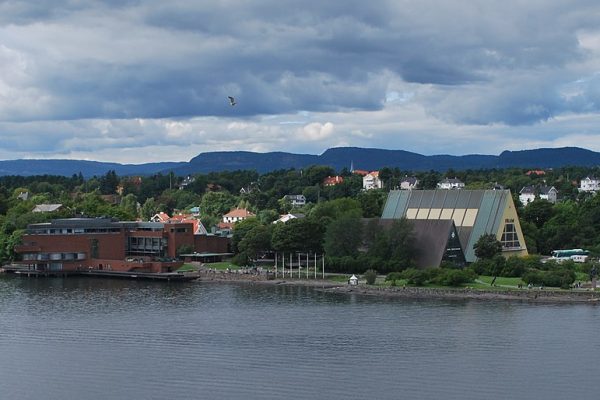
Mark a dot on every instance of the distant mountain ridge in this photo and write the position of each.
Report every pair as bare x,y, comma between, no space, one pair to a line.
337,158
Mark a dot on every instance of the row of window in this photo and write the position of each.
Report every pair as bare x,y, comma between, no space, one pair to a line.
72,231
53,256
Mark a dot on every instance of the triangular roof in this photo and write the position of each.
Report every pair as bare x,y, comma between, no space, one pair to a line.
474,212
239,213
160,217
46,207
431,238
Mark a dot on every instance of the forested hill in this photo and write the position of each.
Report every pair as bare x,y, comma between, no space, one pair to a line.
338,158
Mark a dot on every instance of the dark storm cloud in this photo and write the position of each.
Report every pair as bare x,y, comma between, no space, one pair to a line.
281,56
474,63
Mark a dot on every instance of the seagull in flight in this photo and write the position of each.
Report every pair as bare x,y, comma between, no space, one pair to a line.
231,101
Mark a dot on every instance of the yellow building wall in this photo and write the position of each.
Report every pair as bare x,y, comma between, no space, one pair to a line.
510,212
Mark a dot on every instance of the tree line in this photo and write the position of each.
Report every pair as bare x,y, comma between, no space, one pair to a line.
572,222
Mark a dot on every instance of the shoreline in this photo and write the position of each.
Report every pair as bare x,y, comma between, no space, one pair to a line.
413,292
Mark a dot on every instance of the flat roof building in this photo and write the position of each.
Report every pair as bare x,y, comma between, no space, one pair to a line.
106,244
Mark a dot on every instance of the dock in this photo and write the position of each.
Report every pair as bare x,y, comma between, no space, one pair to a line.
160,276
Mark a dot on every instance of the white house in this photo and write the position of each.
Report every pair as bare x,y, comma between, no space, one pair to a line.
46,208
528,194
287,217
233,216
451,183
589,184
372,181
296,200
548,193
409,183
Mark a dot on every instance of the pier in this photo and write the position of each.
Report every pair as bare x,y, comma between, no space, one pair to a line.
161,276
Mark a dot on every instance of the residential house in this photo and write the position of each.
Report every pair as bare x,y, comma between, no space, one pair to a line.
287,217
537,172
233,216
360,172
160,217
46,208
372,181
589,184
409,183
548,193
198,227
451,183
23,196
529,193
333,180
186,181
296,200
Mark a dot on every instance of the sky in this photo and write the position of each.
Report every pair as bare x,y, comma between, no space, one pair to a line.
144,81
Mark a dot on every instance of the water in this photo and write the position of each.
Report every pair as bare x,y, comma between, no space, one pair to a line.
82,338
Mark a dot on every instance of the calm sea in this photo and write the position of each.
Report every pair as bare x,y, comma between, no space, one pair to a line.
85,338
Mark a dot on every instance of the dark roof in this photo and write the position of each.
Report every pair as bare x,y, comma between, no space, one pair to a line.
431,238
410,179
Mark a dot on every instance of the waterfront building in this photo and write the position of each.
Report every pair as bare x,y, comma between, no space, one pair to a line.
73,244
474,213
436,240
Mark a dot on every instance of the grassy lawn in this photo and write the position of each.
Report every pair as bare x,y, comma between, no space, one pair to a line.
500,281
219,266
187,268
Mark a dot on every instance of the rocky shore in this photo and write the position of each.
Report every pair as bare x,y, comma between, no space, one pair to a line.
529,295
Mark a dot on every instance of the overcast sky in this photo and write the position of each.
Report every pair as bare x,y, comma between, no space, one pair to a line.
143,81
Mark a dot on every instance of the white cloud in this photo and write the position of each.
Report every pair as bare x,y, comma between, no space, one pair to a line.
316,131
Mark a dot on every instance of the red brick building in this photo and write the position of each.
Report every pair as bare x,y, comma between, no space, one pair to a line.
105,244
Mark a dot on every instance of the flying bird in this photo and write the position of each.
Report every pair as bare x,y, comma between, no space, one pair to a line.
231,101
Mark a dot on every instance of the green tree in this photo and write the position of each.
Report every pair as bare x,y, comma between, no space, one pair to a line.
538,212
148,209
240,231
370,276
217,203
343,237
256,241
487,246
129,205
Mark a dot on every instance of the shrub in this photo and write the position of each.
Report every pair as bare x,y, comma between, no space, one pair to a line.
453,277
415,276
370,275
393,277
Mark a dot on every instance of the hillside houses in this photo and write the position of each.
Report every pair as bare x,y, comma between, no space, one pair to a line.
450,184
529,193
409,183
589,184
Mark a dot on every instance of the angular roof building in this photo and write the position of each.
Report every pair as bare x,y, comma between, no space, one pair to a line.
434,240
474,212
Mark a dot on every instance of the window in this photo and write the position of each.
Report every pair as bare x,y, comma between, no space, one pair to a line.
510,239
94,251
